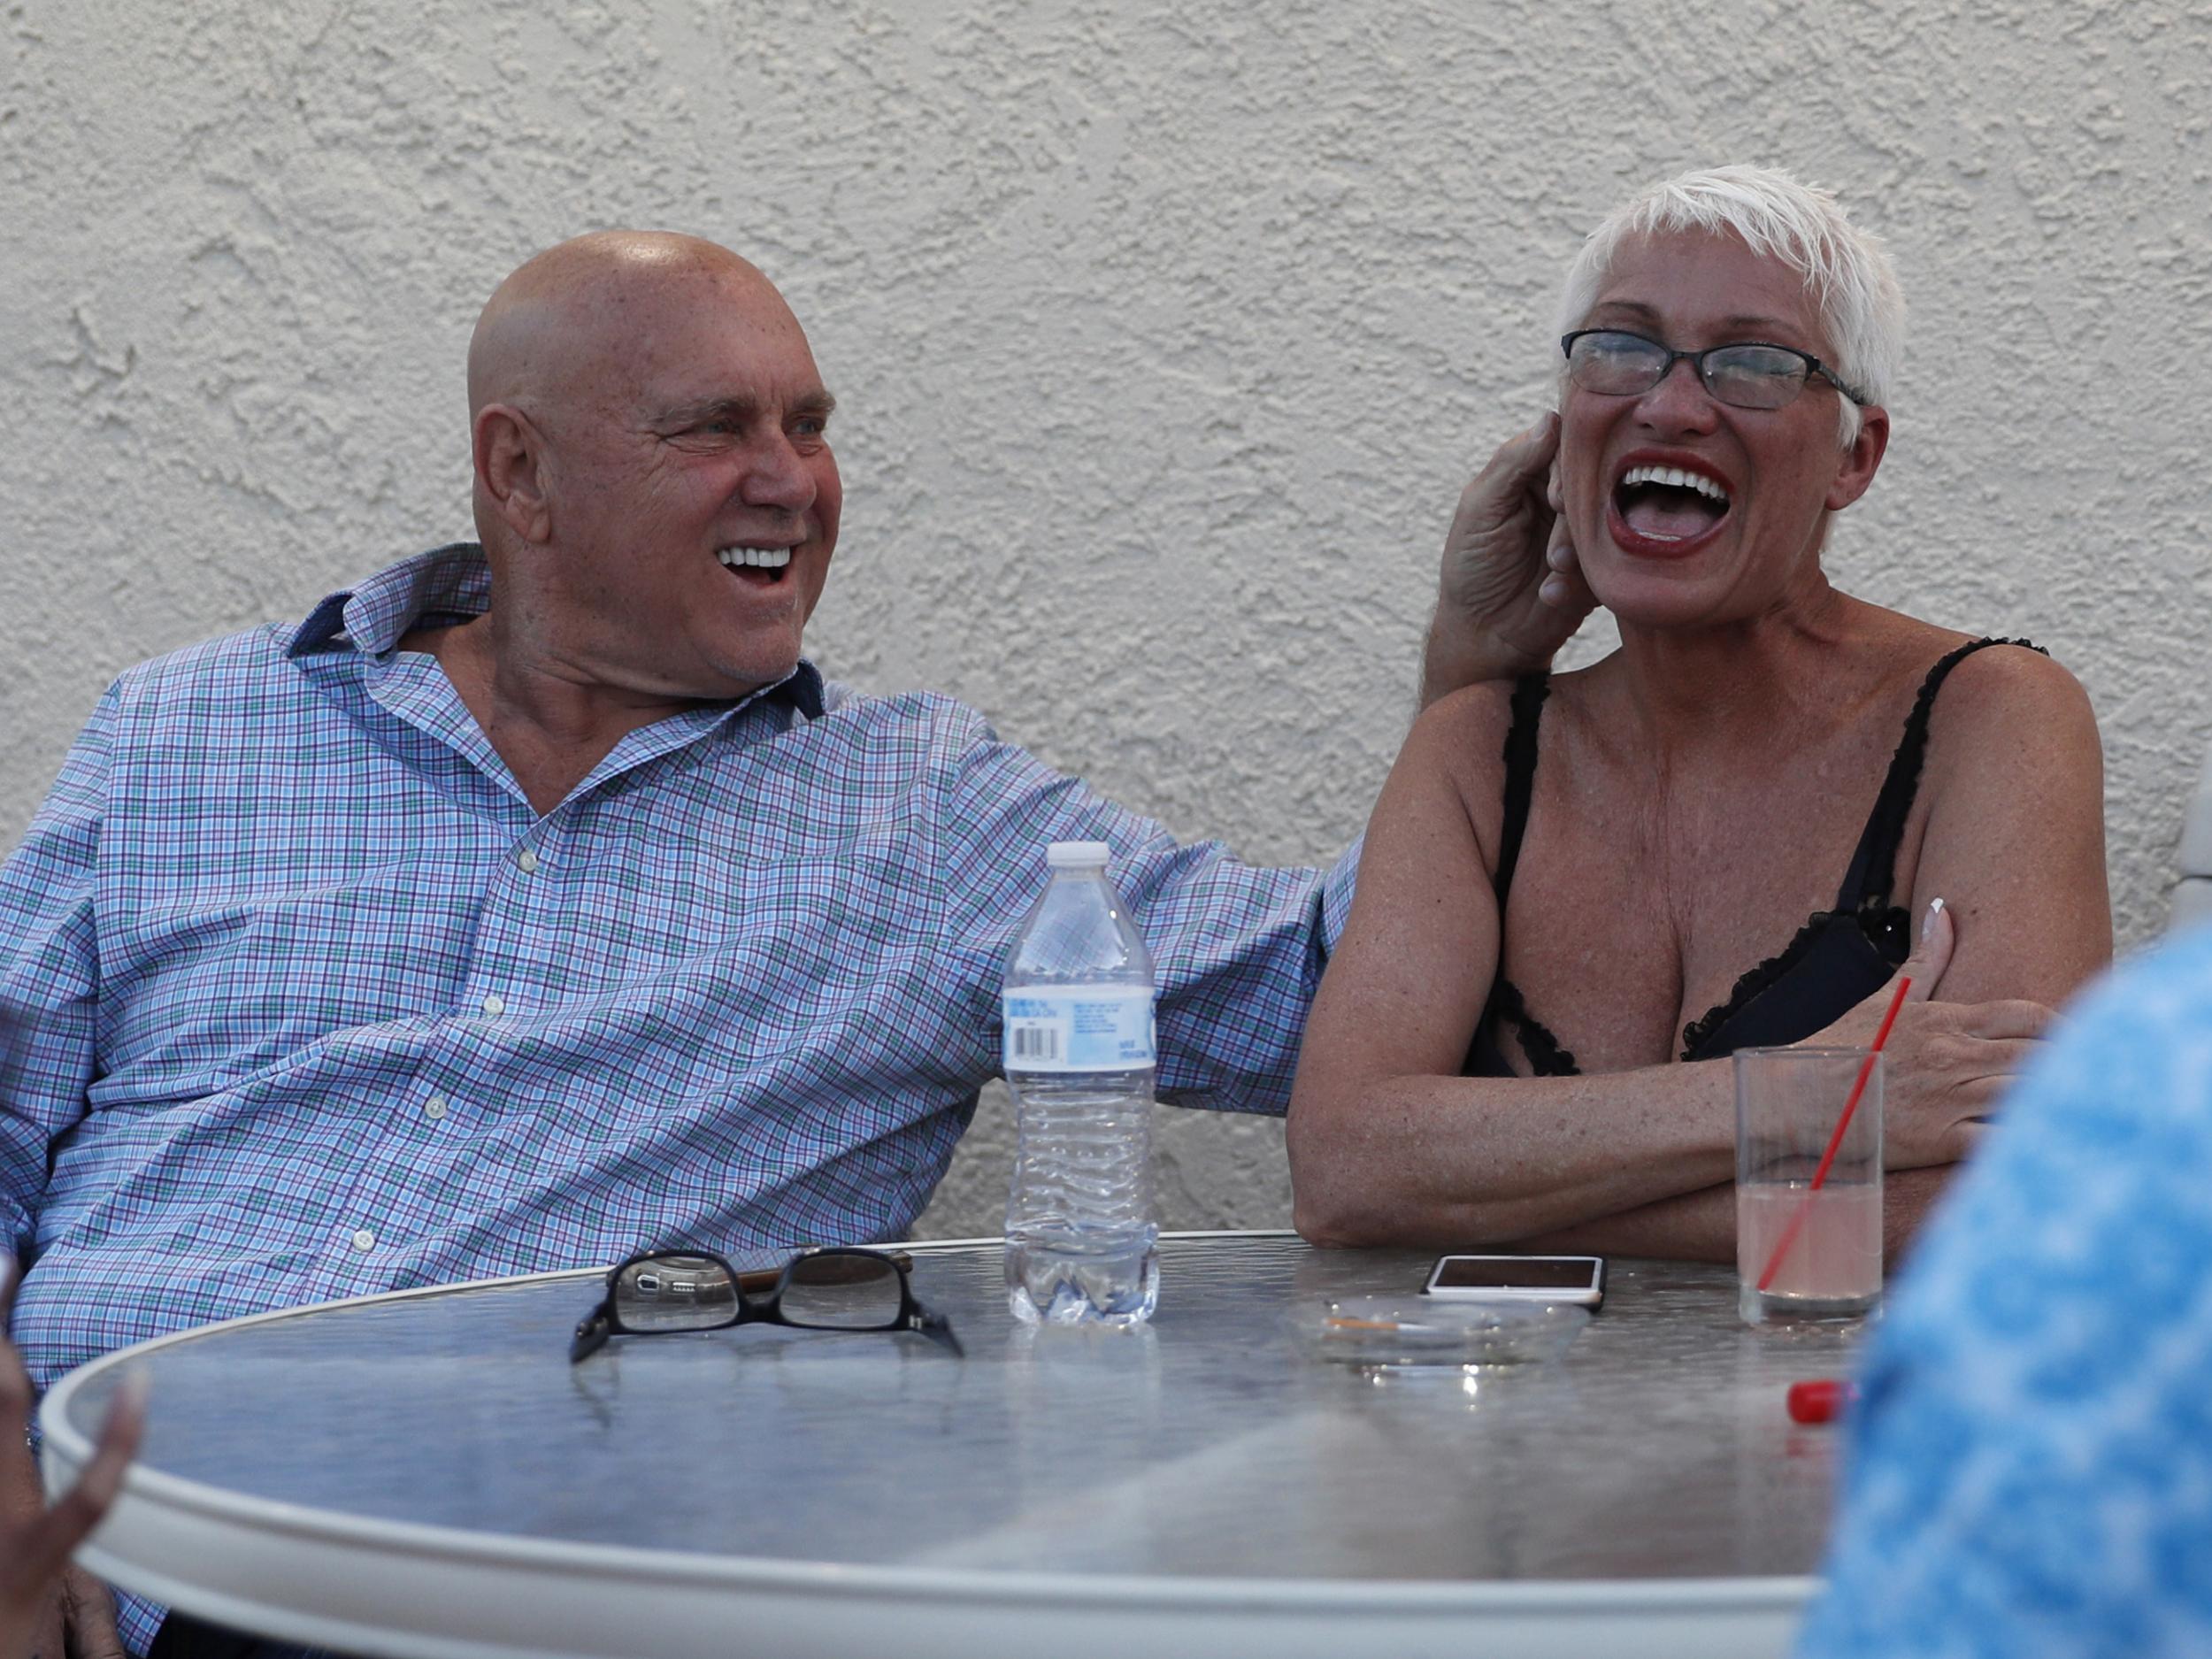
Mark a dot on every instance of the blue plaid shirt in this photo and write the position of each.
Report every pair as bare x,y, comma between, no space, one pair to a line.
317,1005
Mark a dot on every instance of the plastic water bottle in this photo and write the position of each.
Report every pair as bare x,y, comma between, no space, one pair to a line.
1078,1006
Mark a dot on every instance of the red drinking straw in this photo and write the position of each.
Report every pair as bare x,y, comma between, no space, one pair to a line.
1835,1140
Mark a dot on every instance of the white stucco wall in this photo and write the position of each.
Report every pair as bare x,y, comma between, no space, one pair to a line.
1164,335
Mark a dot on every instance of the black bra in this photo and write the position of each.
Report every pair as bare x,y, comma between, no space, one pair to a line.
1838,959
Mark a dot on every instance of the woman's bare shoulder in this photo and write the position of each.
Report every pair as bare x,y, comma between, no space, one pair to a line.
1465,731
1459,742
2013,741
2014,695
2008,683
2017,668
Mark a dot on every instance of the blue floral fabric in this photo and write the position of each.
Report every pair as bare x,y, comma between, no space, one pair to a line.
2030,1468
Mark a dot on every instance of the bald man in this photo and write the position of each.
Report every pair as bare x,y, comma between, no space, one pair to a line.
535,901
656,495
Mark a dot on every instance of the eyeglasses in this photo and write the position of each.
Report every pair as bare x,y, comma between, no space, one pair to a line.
838,1289
1749,374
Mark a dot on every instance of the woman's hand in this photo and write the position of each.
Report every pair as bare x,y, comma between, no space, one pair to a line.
1946,1065
1509,593
36,1542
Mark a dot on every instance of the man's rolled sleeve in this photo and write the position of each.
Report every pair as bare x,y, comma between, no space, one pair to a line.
50,977
1237,951
1336,894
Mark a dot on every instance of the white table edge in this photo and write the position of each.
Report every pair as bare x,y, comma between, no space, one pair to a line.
883,1607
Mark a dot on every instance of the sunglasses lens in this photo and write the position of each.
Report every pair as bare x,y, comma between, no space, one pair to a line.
675,1293
842,1290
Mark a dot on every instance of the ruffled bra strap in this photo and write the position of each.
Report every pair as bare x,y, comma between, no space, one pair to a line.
1546,1057
1529,692
1866,884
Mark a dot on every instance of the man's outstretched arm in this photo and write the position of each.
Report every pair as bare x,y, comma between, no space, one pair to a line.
1237,950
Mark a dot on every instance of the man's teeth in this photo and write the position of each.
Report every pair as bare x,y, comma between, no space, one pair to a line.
1676,478
759,558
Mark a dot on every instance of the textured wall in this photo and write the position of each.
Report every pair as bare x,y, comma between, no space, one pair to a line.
1164,335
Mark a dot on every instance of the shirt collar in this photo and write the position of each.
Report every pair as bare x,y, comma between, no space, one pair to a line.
453,582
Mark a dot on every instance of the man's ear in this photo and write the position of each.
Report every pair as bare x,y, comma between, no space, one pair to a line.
509,470
1862,459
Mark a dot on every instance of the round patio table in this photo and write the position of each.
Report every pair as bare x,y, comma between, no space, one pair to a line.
425,1473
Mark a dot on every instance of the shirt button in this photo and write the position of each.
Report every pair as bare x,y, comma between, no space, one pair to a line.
494,1006
434,1108
526,862
364,1240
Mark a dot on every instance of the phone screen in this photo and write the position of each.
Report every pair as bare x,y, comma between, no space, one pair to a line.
1494,1273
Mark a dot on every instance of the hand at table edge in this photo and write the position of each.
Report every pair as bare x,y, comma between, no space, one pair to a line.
48,1606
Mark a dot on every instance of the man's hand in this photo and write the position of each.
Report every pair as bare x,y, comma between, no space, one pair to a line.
42,1599
1509,594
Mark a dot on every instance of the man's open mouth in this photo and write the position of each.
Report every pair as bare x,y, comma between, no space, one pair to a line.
1669,504
761,566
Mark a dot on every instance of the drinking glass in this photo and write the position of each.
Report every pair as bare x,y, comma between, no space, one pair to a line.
1809,1202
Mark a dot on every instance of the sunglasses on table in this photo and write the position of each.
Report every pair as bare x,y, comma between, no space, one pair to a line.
842,1288
1748,374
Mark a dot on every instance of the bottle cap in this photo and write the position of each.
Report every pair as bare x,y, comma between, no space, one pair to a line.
1077,855
1819,1399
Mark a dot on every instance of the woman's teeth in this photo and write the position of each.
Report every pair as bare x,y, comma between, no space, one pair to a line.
1675,477
760,558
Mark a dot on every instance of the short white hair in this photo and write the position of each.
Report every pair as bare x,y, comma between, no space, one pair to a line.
1847,270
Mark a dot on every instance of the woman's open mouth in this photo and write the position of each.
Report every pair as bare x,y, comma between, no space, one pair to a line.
1666,511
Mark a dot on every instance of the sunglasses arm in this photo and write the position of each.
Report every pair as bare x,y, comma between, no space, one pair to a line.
937,1328
591,1335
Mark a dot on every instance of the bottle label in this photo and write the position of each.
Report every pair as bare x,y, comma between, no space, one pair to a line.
1085,1028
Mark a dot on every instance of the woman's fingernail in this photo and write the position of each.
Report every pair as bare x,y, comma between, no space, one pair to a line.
1927,925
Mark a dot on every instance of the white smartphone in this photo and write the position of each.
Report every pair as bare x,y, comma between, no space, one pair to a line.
1576,1279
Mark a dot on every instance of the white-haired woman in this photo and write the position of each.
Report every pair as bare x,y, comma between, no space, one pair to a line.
1578,891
